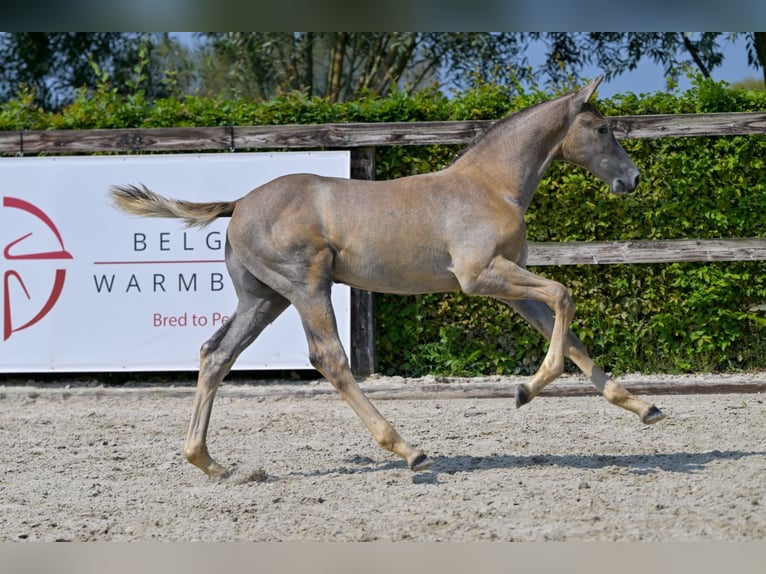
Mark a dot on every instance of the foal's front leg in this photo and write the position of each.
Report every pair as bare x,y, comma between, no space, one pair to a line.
541,318
508,281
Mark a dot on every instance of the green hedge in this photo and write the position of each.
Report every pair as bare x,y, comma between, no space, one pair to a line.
649,318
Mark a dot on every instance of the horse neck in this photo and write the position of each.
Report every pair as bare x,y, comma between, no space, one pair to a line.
511,158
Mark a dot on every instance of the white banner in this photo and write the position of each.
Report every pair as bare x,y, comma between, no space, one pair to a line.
88,288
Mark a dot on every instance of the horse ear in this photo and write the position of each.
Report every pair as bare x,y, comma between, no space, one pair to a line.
586,92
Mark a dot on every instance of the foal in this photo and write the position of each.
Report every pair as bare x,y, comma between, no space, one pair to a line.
461,228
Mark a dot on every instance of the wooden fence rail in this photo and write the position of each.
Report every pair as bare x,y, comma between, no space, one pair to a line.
362,138
350,135
671,251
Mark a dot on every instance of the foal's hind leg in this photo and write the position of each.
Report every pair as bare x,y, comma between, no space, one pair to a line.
258,306
328,357
541,318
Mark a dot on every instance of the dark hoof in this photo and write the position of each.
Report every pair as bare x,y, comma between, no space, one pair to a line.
422,462
522,396
654,415
222,474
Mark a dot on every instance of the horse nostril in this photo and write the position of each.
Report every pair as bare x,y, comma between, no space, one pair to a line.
636,180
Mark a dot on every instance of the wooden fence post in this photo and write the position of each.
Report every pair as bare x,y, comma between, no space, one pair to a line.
362,302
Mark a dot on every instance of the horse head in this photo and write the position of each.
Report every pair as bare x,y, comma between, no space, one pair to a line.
590,143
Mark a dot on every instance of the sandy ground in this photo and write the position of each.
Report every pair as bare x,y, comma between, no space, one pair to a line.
99,463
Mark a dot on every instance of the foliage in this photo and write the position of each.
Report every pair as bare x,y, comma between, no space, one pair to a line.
347,65
618,52
668,318
661,318
53,66
340,66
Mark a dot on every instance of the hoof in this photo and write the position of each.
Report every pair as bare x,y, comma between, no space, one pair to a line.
224,474
421,462
522,396
215,471
653,415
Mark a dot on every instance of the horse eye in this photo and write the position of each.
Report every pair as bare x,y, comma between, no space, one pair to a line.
603,129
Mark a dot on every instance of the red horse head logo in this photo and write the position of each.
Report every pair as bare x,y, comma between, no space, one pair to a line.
58,283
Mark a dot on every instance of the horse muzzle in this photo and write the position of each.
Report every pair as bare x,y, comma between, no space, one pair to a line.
625,184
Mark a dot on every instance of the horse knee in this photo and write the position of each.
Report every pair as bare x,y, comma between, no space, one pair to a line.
562,302
470,285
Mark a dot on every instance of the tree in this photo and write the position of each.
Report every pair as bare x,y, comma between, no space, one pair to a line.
337,65
756,51
54,65
618,52
343,65
168,67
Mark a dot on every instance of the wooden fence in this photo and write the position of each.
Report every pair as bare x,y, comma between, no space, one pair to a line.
362,138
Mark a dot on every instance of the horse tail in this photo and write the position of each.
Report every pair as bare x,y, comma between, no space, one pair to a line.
146,203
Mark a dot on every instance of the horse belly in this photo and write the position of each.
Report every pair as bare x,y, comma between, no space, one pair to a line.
392,272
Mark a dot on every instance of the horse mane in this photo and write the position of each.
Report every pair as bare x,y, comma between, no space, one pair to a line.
497,126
